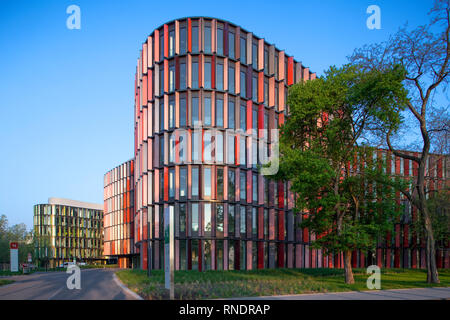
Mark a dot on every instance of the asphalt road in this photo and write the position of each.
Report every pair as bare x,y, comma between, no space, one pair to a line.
96,284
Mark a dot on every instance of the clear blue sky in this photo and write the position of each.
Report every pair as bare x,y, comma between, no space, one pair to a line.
66,96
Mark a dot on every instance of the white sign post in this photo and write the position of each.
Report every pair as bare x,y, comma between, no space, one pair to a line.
169,250
14,251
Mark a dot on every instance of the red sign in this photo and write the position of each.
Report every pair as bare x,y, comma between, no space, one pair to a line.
14,245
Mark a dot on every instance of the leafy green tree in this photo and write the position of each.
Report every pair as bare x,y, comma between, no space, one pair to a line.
439,208
17,233
424,53
321,153
4,242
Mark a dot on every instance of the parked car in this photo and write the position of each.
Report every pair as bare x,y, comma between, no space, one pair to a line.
81,263
66,264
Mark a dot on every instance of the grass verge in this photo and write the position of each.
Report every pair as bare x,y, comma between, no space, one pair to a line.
227,284
4,282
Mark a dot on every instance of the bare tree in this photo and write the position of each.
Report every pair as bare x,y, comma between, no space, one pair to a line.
424,53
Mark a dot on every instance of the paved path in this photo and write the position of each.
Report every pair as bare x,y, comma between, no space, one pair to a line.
442,293
96,284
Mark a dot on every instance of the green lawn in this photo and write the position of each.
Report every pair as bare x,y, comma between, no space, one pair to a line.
227,284
4,281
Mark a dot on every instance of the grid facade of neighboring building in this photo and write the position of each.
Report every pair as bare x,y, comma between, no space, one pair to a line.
403,248
119,214
66,230
207,93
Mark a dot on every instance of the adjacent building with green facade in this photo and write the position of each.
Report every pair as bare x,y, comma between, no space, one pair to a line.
68,230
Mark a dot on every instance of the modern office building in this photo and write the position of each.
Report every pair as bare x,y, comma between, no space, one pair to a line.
68,230
207,94
119,215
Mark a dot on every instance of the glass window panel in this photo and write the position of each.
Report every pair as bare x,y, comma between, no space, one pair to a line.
231,112
255,88
207,73
171,78
172,148
219,112
195,120
207,38
231,79
196,146
182,76
194,218
171,113
194,254
171,183
219,220
255,56
243,84
183,43
171,43
183,253
231,42
243,50
266,223
161,150
207,111
231,185
219,76
230,149
243,117
242,151
254,222
243,184
231,220
220,41
183,110
194,181
207,182
161,80
195,39
219,147
220,183
183,182
207,255
161,45
195,75
182,147
219,254
266,92
242,220
161,185
207,141
207,219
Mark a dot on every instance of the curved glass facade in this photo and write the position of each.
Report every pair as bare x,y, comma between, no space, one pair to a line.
119,214
207,94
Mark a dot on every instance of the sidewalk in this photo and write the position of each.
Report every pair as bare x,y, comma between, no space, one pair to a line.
436,293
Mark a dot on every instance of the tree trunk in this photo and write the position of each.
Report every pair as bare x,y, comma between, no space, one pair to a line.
432,273
348,267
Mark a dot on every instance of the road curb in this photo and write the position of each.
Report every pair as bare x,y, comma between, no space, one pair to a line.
125,288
